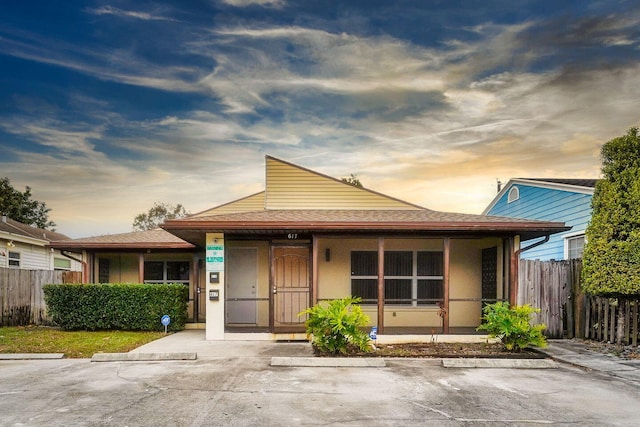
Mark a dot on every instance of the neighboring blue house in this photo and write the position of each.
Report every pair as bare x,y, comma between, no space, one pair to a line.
565,200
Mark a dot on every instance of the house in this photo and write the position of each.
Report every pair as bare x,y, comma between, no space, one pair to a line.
549,199
25,247
153,256
252,265
309,237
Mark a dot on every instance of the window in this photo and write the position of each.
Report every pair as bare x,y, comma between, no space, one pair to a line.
14,259
575,246
166,272
514,194
103,270
61,264
411,278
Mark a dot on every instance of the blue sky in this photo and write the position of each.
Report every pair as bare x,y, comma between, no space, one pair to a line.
107,107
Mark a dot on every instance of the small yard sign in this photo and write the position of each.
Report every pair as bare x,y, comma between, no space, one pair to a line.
165,321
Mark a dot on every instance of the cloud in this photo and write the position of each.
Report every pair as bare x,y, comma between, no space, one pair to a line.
264,3
110,10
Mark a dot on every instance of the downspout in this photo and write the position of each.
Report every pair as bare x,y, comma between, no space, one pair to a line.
85,272
515,260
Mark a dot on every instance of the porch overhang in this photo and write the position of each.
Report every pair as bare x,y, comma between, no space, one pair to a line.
195,231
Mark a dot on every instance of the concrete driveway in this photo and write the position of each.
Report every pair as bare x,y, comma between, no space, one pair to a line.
244,390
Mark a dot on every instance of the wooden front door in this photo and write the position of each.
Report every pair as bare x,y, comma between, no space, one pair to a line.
290,287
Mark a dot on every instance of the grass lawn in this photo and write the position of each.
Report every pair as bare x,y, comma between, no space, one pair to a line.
74,344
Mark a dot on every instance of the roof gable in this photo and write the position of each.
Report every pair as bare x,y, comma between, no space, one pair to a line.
254,202
578,186
289,186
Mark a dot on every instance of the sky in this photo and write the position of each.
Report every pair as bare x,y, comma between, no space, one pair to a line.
109,107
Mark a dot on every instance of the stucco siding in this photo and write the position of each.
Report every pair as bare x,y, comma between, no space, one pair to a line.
290,187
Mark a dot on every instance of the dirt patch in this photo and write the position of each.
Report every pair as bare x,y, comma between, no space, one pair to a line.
627,352
445,350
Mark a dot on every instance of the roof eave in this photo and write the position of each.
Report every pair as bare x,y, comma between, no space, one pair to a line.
111,246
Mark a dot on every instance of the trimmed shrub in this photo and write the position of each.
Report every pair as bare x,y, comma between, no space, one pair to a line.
127,306
336,328
512,326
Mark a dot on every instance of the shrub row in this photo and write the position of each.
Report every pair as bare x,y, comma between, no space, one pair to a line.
130,306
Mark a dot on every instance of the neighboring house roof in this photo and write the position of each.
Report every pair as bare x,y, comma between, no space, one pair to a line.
584,186
297,199
150,239
13,230
590,183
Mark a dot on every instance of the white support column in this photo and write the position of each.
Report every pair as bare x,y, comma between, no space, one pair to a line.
215,260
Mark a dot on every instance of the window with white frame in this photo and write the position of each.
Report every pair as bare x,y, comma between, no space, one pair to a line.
575,246
514,194
411,278
14,259
166,272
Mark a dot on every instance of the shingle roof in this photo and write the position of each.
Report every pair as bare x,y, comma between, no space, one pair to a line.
152,239
591,183
358,221
9,225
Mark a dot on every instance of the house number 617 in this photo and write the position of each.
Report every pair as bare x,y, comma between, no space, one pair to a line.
292,236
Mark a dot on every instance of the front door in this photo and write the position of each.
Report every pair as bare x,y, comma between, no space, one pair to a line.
242,280
290,287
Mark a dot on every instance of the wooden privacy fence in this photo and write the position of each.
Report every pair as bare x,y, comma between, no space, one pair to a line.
554,288
602,317
21,295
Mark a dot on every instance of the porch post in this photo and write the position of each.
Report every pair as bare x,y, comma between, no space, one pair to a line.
513,272
381,285
141,267
445,279
314,270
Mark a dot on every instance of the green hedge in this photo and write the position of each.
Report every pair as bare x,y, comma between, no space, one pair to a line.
130,306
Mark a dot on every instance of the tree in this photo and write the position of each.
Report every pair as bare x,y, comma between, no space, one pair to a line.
18,206
159,213
352,180
611,259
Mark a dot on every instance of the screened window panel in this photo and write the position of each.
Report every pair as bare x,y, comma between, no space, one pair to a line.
178,271
367,289
397,291
153,270
429,289
430,263
364,263
398,263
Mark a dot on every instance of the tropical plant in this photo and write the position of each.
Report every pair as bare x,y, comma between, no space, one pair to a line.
512,325
335,327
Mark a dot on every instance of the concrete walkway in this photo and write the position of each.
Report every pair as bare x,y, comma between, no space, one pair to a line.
575,353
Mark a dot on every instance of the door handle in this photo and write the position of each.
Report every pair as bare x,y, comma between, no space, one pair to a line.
275,290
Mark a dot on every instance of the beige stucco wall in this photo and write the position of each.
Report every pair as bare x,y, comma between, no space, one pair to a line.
334,278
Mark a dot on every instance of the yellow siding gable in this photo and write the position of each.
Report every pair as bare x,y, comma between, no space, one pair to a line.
252,203
293,187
